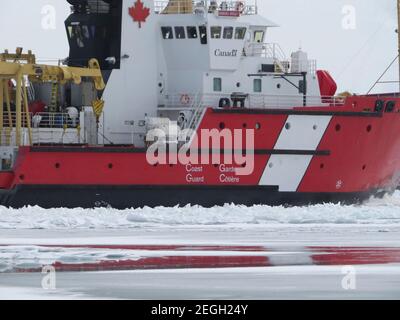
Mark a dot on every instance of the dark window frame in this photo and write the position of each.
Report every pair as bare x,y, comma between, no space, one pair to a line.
192,32
228,33
213,32
259,81
164,33
242,35
220,84
180,32
257,32
203,34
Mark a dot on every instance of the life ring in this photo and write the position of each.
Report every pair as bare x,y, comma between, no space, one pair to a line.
185,99
224,103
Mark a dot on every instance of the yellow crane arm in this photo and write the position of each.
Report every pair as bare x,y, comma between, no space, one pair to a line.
17,66
49,73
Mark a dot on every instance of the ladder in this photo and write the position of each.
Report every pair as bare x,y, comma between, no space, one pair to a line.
198,111
54,97
31,91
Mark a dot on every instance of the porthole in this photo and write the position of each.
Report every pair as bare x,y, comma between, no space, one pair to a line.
278,86
222,125
322,166
288,126
57,165
110,166
315,127
258,126
244,125
338,127
271,165
238,84
21,177
369,128
364,167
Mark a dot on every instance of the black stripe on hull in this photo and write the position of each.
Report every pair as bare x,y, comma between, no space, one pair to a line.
122,197
290,112
71,149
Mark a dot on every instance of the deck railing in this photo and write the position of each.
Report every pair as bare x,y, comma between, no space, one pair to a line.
253,101
223,8
41,120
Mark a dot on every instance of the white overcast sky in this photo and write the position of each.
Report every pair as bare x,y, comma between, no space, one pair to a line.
355,57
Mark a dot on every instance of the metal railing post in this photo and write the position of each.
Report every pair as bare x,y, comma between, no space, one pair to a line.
18,107
1,110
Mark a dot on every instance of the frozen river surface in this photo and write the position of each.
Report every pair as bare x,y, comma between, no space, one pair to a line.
232,252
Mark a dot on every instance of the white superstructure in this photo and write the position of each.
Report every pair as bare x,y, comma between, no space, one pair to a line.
184,55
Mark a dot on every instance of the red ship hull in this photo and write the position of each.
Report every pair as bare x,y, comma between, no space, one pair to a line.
358,155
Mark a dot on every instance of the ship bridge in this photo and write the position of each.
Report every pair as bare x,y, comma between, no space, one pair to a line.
214,49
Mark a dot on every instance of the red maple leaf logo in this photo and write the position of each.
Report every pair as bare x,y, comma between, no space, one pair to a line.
139,12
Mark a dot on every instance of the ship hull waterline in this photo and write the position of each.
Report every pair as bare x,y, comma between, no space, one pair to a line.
123,197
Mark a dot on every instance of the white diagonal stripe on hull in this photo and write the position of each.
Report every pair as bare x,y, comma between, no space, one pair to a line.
299,133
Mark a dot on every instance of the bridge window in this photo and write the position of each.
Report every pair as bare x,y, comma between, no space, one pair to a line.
257,84
203,34
228,32
79,34
192,32
240,33
180,33
167,32
217,84
259,36
216,32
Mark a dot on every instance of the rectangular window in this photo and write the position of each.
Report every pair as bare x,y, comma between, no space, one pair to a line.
257,85
217,84
192,32
216,32
240,33
167,32
259,36
180,33
228,32
203,34
79,37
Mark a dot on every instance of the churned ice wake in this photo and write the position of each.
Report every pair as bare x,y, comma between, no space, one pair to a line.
376,211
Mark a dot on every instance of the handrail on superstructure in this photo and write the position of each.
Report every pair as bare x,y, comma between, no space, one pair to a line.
256,101
220,7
